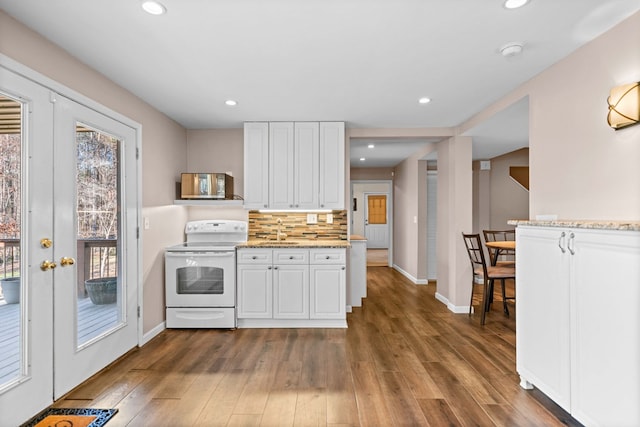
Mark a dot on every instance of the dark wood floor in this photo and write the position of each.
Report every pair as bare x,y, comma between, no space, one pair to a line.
405,360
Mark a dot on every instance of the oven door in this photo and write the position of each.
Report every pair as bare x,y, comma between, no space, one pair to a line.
200,279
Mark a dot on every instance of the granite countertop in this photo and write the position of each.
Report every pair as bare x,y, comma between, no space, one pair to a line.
571,223
295,243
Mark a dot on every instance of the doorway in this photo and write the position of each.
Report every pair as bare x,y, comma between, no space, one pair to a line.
378,193
69,193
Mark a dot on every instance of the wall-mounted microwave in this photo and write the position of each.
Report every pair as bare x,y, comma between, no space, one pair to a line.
206,186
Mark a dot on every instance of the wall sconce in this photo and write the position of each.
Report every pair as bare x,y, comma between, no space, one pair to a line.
624,106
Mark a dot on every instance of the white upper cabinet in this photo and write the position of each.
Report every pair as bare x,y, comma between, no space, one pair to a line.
281,159
256,165
332,165
294,165
306,178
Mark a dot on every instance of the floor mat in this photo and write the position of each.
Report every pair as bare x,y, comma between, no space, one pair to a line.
71,417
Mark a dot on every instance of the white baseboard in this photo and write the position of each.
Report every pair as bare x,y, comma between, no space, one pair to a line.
458,309
409,276
152,333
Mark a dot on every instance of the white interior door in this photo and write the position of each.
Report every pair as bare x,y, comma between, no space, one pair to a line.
95,222
26,328
376,223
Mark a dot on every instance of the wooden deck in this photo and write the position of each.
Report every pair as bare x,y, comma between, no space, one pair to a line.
93,320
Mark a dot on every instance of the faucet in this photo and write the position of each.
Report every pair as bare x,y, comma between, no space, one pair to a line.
279,233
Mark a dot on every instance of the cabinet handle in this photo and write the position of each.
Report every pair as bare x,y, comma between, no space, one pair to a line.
561,242
290,206
275,268
571,244
254,257
328,257
265,206
269,268
291,257
344,268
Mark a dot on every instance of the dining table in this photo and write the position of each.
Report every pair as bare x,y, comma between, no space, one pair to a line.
500,246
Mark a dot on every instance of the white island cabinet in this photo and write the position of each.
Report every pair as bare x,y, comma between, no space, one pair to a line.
578,319
296,288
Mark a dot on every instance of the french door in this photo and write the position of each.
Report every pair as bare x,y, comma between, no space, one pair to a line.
74,219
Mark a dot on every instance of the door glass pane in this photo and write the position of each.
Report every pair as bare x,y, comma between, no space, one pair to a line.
98,229
377,209
11,337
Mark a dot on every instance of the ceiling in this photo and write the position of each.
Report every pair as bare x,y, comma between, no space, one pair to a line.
365,62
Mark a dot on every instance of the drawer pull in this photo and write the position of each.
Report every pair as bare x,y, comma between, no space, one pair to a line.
328,257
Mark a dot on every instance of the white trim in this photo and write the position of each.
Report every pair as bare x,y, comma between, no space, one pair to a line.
291,323
152,334
458,309
414,280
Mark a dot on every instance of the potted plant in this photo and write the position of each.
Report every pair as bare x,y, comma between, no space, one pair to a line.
11,289
103,290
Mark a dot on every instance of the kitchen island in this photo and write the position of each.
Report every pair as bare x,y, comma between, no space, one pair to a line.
577,328
292,284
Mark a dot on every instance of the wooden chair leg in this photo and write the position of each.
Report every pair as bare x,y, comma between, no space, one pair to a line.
485,300
471,300
504,299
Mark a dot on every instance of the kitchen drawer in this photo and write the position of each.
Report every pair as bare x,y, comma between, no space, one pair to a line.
327,256
291,256
254,256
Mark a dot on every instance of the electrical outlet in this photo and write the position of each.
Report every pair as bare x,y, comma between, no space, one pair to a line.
312,218
329,218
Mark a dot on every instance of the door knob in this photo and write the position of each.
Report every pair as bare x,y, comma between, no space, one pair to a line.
46,243
47,265
65,261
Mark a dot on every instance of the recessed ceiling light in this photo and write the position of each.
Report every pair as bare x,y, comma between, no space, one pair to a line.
231,102
362,159
424,100
514,4
511,49
153,7
370,146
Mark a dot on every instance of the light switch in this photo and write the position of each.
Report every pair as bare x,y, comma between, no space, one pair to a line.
329,218
146,223
312,218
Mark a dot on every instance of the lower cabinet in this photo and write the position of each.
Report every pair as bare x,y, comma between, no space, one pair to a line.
577,322
291,288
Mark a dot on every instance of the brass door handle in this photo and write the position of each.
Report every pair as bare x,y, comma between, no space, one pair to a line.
65,261
47,265
46,243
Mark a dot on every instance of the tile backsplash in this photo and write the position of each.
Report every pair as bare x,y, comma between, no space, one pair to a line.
263,225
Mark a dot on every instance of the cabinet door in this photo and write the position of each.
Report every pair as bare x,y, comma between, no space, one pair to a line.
255,291
328,291
306,163
605,345
256,165
281,156
291,292
332,156
542,311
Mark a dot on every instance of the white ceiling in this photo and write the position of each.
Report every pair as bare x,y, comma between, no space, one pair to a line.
365,62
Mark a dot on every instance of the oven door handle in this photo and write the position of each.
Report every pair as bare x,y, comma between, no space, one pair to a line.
200,254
